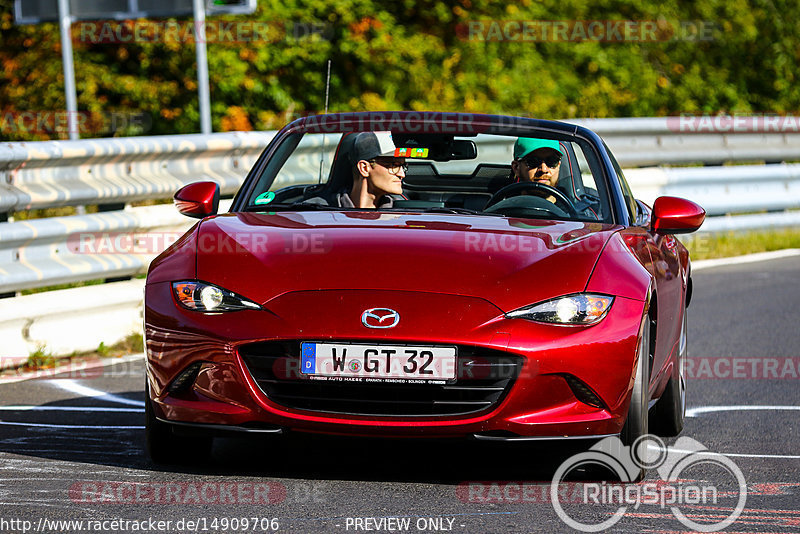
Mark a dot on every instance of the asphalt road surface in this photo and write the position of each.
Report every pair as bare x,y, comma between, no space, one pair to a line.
71,455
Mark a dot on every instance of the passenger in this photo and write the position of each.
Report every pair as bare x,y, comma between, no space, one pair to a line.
377,174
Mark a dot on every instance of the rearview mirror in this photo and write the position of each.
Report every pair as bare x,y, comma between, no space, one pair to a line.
197,200
673,215
463,149
436,147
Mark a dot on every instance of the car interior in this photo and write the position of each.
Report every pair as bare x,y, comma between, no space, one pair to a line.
427,187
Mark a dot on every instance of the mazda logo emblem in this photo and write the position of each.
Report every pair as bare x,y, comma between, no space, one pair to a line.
380,318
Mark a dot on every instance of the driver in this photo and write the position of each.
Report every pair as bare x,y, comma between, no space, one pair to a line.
537,160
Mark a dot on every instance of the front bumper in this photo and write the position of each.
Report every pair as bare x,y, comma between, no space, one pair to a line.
211,358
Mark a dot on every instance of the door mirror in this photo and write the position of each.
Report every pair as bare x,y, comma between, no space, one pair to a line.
673,215
198,200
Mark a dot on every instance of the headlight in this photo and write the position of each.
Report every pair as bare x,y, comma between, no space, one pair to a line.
202,297
583,308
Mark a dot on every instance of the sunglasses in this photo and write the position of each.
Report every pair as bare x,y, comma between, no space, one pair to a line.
393,167
535,161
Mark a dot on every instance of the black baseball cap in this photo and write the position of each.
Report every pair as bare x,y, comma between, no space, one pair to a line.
370,145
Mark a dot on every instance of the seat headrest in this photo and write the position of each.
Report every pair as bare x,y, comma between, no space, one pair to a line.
340,178
569,176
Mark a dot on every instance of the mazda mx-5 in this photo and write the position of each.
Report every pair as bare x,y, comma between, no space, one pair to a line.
415,275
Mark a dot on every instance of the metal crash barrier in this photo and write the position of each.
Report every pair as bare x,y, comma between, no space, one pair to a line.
113,173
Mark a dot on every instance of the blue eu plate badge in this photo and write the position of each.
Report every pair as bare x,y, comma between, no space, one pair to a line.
309,355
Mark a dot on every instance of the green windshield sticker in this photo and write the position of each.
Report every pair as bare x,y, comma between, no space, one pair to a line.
264,198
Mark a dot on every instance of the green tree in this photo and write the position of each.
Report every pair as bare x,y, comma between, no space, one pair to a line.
717,56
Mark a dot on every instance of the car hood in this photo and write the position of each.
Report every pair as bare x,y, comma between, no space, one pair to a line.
507,262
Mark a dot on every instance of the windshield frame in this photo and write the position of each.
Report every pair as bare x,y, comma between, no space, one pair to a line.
286,140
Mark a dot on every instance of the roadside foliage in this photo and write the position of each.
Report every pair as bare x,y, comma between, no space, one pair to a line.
551,59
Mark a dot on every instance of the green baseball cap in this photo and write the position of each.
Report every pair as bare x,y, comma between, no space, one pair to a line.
526,145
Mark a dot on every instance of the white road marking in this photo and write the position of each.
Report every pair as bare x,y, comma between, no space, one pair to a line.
81,366
74,387
68,409
694,412
779,456
748,258
731,454
71,427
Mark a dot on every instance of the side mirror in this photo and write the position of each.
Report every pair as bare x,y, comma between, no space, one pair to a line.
673,215
197,200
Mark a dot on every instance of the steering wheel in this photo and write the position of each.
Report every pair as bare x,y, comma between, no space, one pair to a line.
540,189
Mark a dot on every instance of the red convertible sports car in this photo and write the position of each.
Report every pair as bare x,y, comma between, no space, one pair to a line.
421,275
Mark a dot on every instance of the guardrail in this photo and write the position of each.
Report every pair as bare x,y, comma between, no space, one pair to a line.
723,190
639,142
122,243
109,171
43,252
62,322
61,250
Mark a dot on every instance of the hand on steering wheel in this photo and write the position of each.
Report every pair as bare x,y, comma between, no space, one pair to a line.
540,190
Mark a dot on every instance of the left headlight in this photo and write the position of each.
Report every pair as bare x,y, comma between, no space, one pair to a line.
203,297
579,309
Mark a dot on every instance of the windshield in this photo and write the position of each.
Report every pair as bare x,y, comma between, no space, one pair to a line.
483,174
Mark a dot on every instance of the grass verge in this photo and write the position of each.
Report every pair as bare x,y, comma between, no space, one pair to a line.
41,358
709,246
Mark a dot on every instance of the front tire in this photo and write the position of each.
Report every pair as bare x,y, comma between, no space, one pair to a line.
163,446
636,425
670,411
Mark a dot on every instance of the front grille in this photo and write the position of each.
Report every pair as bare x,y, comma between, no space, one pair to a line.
484,377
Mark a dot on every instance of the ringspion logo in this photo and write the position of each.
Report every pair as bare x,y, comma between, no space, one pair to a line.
676,489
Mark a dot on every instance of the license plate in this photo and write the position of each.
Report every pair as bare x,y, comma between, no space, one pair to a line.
383,363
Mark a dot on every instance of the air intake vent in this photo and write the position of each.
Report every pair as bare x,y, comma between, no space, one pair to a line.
483,379
185,380
582,392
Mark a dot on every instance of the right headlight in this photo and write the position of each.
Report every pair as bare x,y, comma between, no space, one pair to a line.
203,297
578,309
